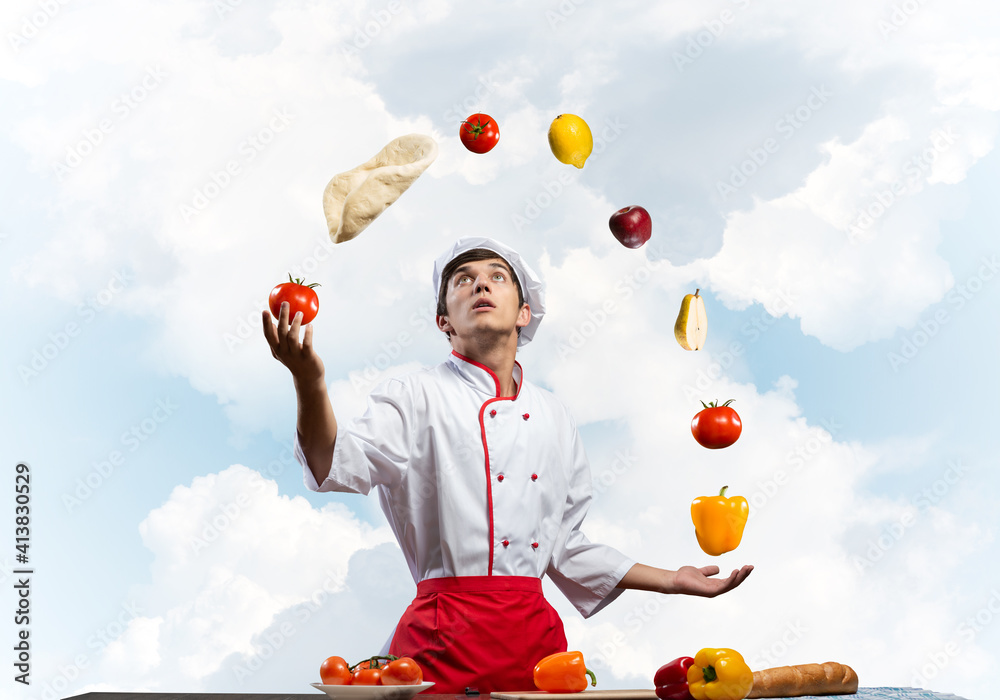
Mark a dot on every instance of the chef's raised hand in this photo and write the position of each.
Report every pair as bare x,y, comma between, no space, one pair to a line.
315,424
297,355
696,581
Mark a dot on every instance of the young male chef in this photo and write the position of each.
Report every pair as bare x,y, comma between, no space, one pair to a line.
483,478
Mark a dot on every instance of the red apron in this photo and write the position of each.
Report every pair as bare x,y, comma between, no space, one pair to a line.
487,632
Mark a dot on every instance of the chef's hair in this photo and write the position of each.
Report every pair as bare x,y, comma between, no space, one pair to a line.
472,256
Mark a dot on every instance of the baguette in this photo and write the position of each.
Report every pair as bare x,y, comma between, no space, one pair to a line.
806,679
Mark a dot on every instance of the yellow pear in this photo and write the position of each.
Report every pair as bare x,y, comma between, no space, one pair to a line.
692,324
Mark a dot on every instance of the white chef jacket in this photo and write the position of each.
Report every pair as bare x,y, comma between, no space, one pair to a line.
429,439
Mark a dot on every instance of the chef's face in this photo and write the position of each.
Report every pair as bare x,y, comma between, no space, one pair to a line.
482,298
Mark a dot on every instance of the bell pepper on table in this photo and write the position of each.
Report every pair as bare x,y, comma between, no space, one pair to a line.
719,674
564,672
671,679
719,521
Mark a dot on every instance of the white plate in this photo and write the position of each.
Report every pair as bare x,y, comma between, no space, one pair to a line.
370,692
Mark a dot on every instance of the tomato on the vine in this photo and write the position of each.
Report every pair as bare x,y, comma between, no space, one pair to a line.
367,676
334,671
300,297
479,133
402,671
716,426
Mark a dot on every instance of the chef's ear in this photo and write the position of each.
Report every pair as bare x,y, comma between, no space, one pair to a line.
444,325
523,316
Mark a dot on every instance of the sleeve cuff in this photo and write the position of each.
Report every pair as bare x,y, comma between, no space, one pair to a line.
609,591
307,476
346,451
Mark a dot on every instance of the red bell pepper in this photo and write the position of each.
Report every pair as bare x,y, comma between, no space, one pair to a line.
671,679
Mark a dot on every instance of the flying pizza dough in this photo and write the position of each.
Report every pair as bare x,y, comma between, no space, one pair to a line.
354,199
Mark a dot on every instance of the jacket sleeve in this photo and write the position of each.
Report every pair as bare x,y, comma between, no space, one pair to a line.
371,450
585,572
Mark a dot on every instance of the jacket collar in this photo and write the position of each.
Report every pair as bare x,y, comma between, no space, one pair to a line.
481,377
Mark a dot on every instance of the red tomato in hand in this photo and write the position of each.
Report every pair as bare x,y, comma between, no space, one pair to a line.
334,671
367,676
716,426
479,133
300,297
402,671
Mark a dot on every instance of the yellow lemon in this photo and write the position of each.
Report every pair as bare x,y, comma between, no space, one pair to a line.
570,139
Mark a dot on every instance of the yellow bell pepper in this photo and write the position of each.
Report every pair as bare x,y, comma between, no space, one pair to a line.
719,674
719,521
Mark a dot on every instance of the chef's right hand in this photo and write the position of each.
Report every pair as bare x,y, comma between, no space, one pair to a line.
298,356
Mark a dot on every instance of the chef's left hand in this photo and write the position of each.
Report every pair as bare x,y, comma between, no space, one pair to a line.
695,581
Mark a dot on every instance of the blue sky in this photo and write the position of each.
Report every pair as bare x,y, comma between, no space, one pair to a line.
864,370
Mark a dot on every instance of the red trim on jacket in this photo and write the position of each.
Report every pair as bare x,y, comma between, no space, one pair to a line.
496,379
486,449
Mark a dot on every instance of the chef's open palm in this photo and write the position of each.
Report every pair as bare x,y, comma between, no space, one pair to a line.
695,581
297,355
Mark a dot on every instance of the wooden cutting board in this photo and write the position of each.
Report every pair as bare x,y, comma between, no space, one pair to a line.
649,694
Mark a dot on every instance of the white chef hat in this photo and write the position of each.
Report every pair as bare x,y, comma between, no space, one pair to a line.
531,285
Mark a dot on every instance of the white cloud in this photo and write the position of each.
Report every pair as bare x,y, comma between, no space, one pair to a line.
231,556
136,652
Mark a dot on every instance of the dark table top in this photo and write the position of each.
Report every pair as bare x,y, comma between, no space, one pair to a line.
863,694
240,696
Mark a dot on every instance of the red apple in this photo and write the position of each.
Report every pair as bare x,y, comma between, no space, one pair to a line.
631,226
